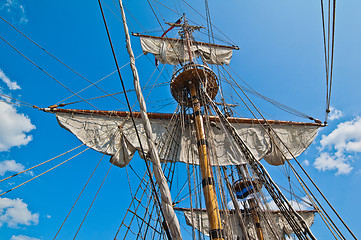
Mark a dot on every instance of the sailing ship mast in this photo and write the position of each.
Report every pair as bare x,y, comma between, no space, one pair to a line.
192,83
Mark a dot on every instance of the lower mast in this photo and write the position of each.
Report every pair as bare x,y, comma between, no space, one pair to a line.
216,230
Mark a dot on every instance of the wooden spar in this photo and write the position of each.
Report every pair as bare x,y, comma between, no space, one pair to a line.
195,42
214,218
171,115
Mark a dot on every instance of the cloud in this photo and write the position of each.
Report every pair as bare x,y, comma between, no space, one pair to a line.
14,127
22,237
10,166
306,163
334,114
338,147
11,85
14,10
326,161
15,212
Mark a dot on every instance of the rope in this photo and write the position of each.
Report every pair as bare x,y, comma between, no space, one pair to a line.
87,212
25,104
99,81
330,46
168,211
42,173
274,102
86,184
44,71
127,100
26,170
51,55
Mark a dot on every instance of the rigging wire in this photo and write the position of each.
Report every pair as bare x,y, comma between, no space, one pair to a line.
44,71
25,104
26,170
51,55
98,82
16,104
103,96
274,102
86,184
95,196
329,46
42,173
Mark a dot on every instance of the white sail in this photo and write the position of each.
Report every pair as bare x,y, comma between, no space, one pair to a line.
199,220
115,136
174,51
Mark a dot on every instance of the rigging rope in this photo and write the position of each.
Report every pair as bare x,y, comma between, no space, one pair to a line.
86,184
44,71
51,55
130,110
87,212
169,213
42,173
329,46
26,170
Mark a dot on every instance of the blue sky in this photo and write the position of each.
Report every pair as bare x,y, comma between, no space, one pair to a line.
281,56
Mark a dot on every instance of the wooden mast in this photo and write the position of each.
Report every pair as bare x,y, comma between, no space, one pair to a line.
215,225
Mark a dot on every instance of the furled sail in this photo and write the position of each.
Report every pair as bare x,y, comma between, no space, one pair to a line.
198,219
112,133
174,51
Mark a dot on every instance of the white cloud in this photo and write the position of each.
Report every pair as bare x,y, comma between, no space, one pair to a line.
22,237
334,114
10,166
15,212
306,163
11,85
337,147
15,10
14,127
326,161
48,216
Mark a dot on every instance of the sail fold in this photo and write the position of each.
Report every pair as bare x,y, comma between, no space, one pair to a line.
198,219
115,136
174,51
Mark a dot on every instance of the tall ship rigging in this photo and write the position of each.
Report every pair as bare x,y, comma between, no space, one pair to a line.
220,156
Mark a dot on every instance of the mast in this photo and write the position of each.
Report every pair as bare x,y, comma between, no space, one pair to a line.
216,229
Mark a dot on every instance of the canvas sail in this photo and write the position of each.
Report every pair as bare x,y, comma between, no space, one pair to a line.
199,220
115,135
175,51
